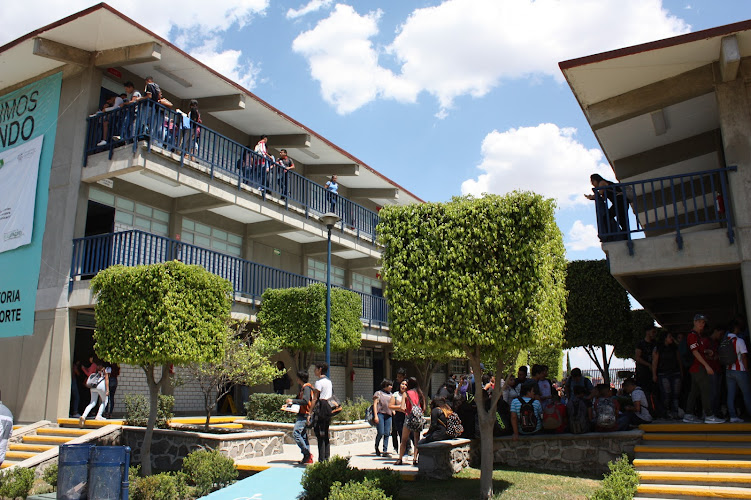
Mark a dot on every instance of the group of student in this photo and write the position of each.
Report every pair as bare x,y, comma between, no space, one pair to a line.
101,380
701,376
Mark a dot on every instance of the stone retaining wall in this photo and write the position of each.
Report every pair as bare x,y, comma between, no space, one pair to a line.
169,446
588,452
340,434
443,459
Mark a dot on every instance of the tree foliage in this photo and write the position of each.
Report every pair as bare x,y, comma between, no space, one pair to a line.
295,319
640,319
485,276
550,356
598,311
168,313
245,361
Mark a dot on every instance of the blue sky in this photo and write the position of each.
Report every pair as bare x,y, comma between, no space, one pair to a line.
444,97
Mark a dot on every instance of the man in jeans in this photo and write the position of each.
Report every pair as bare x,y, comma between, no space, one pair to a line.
737,374
300,432
700,371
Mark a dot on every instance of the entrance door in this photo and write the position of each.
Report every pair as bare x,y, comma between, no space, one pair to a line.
378,371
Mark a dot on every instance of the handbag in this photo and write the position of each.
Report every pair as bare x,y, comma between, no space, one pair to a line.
94,380
336,407
370,416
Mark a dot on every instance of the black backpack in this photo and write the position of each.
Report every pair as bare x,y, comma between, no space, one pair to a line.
726,352
578,420
527,417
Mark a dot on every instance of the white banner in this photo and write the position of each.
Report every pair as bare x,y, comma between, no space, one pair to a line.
19,169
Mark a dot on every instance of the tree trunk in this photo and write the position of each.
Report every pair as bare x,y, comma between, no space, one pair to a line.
605,365
425,369
165,383
153,402
208,405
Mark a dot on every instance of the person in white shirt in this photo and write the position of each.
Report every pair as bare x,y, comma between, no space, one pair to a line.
737,375
6,429
324,392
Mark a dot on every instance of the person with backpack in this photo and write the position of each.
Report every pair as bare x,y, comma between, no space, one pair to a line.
526,411
324,390
734,355
98,383
382,414
412,403
300,431
700,371
666,373
605,411
554,416
640,412
578,410
438,421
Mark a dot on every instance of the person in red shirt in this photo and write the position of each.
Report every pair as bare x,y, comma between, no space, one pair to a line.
700,371
711,344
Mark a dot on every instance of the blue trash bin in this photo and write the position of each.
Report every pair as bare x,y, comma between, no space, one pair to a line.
108,472
73,471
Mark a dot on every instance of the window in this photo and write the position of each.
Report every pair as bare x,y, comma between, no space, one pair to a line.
367,285
317,270
337,358
133,215
458,366
212,238
363,358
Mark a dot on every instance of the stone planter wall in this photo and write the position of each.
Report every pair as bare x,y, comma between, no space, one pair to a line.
340,434
588,452
443,459
169,446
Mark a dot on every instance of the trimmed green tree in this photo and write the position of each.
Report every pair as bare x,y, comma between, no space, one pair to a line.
550,356
425,358
484,276
295,319
640,320
245,361
598,312
160,314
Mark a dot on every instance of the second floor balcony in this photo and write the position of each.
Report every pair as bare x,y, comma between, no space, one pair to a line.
195,146
249,279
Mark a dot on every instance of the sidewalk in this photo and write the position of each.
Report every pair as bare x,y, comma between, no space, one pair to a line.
362,456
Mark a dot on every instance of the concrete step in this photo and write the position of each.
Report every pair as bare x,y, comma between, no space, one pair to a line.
19,455
687,465
655,437
37,448
91,423
60,431
671,491
735,479
729,451
51,440
697,428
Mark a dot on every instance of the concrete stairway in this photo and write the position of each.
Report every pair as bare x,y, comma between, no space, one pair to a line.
30,441
696,461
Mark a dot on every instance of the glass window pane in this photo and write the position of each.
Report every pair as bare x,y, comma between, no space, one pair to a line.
233,250
142,223
235,239
188,225
187,237
125,204
159,228
143,210
202,241
124,218
219,246
219,234
203,229
102,197
161,216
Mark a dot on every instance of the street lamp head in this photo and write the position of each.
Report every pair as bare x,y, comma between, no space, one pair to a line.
329,219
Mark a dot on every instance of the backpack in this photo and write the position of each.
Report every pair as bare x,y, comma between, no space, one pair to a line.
370,416
454,427
527,417
415,419
605,413
726,351
551,418
577,416
94,380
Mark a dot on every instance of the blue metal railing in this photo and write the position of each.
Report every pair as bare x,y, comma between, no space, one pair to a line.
132,248
664,204
163,127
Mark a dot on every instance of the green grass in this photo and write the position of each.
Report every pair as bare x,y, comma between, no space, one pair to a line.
508,484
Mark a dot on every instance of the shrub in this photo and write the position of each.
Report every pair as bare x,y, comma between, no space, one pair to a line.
352,410
387,480
16,482
209,470
319,477
50,475
137,410
620,483
267,407
354,490
164,486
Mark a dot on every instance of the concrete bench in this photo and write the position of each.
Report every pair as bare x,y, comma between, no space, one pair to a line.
443,459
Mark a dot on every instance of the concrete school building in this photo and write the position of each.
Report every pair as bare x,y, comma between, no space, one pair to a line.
145,183
674,122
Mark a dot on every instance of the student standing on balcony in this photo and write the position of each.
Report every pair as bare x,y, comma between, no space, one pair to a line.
332,187
618,210
262,161
132,97
281,176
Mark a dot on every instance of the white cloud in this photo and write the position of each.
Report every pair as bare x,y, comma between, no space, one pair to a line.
312,6
582,237
545,159
468,47
342,57
227,62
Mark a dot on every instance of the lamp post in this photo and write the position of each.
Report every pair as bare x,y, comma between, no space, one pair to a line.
329,219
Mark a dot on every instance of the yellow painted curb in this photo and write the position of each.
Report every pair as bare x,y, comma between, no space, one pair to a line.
5,465
702,428
38,448
694,491
691,477
19,454
706,464
47,439
227,426
252,468
724,438
692,450
62,432
200,420
90,422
